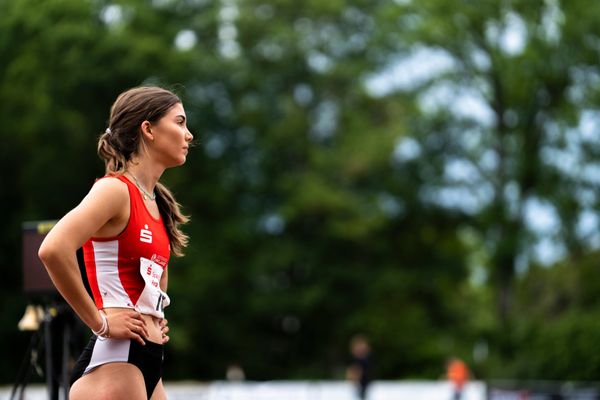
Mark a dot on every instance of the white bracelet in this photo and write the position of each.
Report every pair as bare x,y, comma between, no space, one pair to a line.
103,332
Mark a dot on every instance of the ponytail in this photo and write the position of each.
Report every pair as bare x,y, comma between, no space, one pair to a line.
114,160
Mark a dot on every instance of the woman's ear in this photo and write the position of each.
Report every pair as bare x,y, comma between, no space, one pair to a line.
147,130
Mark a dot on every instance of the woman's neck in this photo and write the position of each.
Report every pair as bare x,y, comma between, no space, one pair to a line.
144,174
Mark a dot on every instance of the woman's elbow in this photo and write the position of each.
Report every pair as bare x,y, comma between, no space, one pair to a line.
46,253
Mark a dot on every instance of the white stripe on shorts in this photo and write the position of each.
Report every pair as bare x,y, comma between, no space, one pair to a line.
107,351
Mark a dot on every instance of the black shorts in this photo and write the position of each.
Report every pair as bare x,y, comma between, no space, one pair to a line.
148,358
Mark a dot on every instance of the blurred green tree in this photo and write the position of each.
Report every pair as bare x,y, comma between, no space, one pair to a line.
306,236
506,97
557,319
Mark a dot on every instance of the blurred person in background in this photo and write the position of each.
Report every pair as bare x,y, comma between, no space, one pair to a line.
360,367
128,225
458,374
235,372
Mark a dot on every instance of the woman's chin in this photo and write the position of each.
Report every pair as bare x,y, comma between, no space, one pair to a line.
177,163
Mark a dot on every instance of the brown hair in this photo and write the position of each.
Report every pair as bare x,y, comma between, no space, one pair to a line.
121,141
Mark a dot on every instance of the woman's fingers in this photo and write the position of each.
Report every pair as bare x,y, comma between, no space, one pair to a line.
137,317
137,327
164,329
140,327
138,338
163,326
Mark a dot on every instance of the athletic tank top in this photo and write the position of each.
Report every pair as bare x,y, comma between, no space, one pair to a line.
125,270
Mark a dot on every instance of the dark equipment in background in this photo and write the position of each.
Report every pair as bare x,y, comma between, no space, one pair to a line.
48,317
36,281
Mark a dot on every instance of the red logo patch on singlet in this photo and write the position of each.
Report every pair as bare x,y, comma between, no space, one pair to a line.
160,260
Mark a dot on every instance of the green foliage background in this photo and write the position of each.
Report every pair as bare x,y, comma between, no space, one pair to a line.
320,206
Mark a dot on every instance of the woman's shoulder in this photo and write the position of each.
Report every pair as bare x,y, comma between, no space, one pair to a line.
111,186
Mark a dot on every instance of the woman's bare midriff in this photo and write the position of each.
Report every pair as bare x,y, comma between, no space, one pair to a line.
152,324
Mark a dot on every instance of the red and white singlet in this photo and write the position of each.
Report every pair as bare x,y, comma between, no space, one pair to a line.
124,271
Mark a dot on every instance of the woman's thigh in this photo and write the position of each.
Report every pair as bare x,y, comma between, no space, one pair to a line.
110,381
159,392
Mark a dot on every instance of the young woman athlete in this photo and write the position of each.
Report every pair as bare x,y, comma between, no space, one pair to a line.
128,225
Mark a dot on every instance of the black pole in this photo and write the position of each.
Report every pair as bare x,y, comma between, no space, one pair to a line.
49,356
27,366
65,359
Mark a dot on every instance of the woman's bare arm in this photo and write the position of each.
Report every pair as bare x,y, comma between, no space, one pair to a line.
104,210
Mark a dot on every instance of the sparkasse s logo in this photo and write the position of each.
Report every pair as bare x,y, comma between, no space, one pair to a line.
145,235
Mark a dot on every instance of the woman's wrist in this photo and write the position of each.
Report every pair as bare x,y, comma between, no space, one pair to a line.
99,324
103,331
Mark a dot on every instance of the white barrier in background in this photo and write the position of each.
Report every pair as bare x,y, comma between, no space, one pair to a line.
328,390
297,390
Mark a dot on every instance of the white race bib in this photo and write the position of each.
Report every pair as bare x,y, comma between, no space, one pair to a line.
152,301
